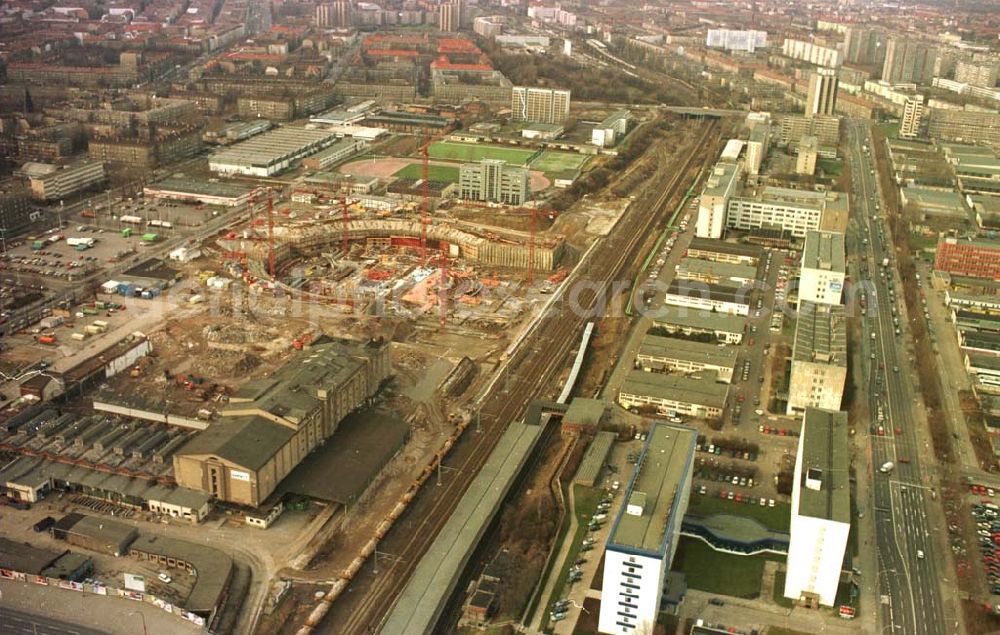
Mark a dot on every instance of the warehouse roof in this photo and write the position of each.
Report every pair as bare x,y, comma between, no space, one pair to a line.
722,247
824,487
824,250
701,389
336,148
699,320
213,568
188,185
984,362
657,347
614,117
713,292
18,556
246,441
297,389
594,459
658,486
820,334
728,274
933,200
275,146
112,533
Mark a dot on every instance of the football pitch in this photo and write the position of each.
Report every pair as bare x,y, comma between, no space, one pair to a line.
444,173
475,152
552,162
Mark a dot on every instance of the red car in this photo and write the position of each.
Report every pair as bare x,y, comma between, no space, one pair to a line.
899,430
741,398
903,459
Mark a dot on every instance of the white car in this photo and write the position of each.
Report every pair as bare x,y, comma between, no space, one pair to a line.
164,578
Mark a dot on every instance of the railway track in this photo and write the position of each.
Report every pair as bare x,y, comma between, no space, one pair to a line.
532,367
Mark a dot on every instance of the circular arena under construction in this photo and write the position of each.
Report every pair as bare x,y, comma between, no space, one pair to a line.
344,261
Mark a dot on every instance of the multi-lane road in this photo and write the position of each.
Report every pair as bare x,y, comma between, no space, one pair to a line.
909,565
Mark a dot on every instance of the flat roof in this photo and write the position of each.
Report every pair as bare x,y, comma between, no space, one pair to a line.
112,532
595,457
585,411
213,568
701,389
820,334
614,117
824,250
183,184
714,292
19,556
659,479
826,460
723,247
699,319
417,608
934,199
986,362
688,350
728,273
273,146
721,180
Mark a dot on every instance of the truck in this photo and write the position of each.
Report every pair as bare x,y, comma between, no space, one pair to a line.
37,245
86,243
887,467
134,220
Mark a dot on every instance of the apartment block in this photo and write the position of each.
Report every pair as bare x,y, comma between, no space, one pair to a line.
911,125
757,147
822,96
540,105
643,539
908,62
715,196
493,181
821,509
976,74
62,181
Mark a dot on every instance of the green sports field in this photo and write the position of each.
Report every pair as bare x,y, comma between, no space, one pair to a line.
444,173
552,162
476,152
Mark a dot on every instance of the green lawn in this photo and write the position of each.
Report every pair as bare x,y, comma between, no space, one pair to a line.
552,162
776,518
830,167
452,151
716,572
779,591
415,171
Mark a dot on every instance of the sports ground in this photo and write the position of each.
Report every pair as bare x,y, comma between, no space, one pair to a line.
466,152
447,156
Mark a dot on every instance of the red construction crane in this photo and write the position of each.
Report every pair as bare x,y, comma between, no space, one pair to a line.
424,204
270,234
345,219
